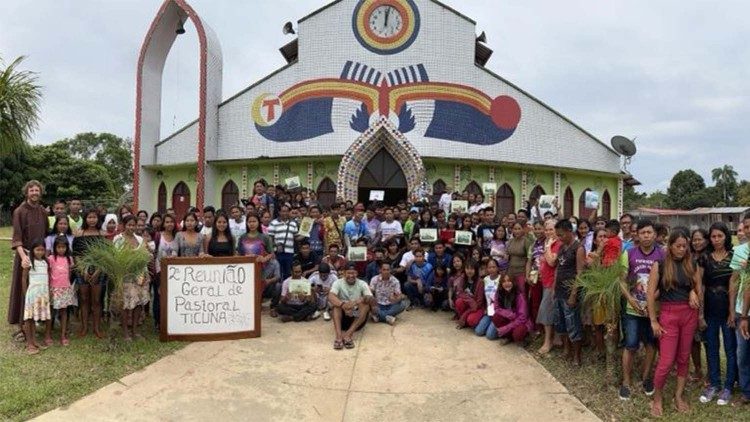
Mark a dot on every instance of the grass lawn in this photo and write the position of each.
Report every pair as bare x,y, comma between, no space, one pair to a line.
31,385
590,385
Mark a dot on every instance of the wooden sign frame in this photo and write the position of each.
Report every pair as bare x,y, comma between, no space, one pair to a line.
164,289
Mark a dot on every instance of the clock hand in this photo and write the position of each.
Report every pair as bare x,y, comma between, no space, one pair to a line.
387,12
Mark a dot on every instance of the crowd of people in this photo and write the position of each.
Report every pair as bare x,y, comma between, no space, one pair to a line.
513,281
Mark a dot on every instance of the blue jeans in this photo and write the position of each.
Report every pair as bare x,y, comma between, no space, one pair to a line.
411,290
568,320
392,309
715,325
486,328
637,329
285,264
743,361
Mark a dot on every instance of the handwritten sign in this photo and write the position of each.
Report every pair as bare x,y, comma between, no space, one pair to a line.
210,298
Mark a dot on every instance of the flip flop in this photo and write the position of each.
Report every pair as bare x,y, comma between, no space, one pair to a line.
49,342
338,345
65,342
349,343
32,351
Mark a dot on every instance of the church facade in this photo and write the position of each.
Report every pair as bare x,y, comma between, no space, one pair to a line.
391,95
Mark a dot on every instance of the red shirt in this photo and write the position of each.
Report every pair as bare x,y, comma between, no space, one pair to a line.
612,250
546,271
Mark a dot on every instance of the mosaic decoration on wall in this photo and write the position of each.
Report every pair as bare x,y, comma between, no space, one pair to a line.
457,112
386,26
355,159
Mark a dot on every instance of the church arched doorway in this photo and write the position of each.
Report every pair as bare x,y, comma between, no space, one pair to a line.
382,173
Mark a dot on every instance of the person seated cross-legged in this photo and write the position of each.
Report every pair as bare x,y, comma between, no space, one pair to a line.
387,291
351,300
297,297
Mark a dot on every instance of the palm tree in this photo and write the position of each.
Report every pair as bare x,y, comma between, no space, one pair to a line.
725,177
20,97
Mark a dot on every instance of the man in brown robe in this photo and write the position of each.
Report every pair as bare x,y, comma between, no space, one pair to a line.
29,224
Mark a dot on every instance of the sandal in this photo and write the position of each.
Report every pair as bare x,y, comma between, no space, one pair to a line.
338,345
349,343
32,351
49,342
65,342
274,313
19,336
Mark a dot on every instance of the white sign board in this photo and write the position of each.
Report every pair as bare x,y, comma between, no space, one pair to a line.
217,297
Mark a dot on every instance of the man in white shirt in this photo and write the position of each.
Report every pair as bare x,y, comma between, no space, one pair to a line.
351,300
208,221
390,228
237,223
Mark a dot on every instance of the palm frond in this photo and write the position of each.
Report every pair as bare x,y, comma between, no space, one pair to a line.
600,287
119,264
20,98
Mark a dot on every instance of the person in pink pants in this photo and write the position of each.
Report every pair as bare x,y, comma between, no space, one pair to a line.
470,302
676,282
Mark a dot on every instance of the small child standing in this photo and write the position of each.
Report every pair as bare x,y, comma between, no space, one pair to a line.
613,244
62,291
36,286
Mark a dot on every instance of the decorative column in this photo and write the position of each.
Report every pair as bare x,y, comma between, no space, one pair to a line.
556,185
457,178
620,193
275,174
243,186
309,175
524,186
492,174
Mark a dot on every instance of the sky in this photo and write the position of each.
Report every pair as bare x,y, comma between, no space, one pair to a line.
674,75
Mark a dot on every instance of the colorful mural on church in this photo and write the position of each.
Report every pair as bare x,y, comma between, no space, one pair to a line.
459,113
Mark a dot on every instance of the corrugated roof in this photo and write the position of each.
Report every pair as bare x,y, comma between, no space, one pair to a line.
720,210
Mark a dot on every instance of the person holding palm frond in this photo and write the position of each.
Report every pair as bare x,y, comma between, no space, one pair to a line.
124,261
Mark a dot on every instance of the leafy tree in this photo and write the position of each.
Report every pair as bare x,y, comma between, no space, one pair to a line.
656,199
743,194
19,107
725,178
684,186
108,150
13,169
65,176
632,199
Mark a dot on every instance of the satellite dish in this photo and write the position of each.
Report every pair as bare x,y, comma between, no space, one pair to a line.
623,146
288,29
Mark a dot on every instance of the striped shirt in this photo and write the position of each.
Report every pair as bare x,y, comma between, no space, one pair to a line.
283,233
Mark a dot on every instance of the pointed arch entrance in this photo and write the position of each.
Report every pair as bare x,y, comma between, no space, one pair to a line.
379,149
326,193
181,200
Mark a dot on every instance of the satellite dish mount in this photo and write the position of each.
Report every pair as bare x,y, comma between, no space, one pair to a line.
625,147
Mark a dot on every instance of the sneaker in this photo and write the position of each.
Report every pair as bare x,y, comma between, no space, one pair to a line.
286,318
316,315
648,387
374,318
327,316
724,397
624,392
390,319
707,396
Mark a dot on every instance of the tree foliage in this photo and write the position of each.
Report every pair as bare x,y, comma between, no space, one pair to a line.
686,190
20,97
13,170
725,178
743,194
64,176
108,150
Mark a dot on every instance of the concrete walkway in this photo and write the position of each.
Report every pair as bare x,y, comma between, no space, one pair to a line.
420,369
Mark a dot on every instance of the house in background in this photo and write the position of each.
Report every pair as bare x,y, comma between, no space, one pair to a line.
693,219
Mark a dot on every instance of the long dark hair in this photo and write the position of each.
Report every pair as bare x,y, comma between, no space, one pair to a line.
37,243
507,297
195,217
227,232
85,225
471,281
669,274
62,240
174,223
53,229
705,237
727,236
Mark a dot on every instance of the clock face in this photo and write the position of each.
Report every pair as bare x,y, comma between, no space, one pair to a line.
386,21
386,26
